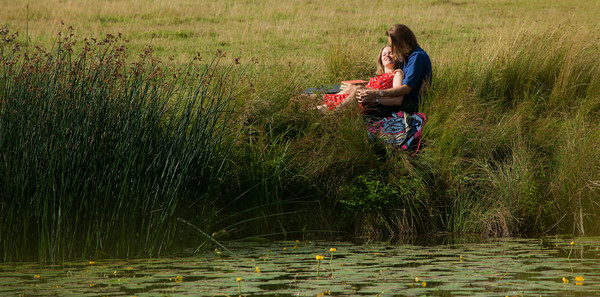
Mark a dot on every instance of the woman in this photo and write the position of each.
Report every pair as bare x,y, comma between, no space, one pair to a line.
388,76
417,71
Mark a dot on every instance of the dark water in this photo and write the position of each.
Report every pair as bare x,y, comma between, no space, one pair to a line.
450,267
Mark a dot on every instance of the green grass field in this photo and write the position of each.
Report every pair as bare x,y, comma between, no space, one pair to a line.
510,147
303,37
300,32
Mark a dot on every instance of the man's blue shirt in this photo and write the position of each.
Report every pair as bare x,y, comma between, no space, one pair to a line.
417,70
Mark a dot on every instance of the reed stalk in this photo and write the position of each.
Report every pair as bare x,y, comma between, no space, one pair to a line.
101,155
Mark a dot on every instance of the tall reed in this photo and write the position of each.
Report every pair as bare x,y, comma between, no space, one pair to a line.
101,155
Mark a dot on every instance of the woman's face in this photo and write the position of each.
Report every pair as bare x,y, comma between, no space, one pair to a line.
387,58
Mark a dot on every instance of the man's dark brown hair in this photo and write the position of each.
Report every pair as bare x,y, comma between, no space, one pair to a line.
403,40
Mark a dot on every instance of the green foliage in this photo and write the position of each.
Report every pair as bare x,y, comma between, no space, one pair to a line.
391,208
367,194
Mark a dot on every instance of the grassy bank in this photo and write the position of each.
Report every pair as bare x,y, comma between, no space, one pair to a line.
102,143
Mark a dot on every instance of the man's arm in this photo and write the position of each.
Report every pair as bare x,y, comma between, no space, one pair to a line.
393,92
391,97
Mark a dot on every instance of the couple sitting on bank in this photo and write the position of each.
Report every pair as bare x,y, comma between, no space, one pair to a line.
390,100
403,68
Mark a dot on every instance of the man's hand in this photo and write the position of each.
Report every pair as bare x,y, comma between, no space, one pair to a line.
366,96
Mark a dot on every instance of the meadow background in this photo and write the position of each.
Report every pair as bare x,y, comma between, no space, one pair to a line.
510,146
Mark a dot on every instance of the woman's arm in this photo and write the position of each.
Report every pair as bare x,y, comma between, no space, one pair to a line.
385,101
372,94
391,97
398,77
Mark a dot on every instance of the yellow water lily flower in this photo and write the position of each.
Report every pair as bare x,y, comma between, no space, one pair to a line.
179,279
257,270
239,281
565,280
424,284
417,279
579,279
36,276
319,257
572,242
91,262
332,250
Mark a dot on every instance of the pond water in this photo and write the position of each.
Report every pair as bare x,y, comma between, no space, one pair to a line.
494,267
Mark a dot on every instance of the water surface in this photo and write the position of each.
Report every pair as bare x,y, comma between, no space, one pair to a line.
496,267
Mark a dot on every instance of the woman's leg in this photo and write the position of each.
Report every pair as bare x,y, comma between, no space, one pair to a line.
351,97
